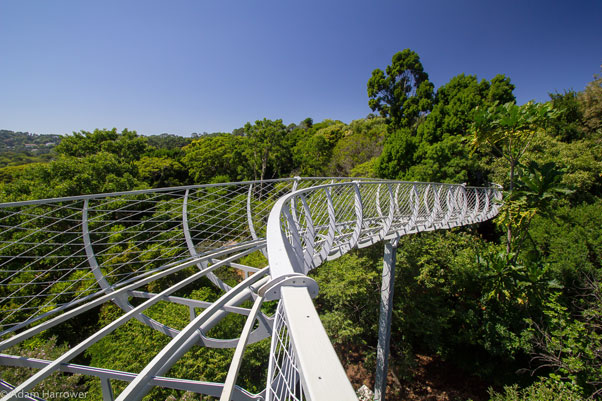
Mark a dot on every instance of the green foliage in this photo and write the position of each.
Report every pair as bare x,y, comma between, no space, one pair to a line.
570,241
265,149
160,171
168,141
89,162
591,106
581,161
507,278
331,130
21,142
255,259
210,156
437,150
569,345
66,176
403,93
543,390
18,148
133,345
443,153
396,157
127,145
10,159
538,186
568,123
537,189
509,129
312,155
457,294
45,349
361,143
348,298
367,169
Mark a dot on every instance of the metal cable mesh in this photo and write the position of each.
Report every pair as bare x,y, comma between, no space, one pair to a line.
284,379
323,223
56,253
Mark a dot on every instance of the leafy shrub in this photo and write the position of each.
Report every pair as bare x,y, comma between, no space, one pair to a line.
569,345
545,390
46,349
349,288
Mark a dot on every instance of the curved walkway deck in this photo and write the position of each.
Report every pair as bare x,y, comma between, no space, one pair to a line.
60,258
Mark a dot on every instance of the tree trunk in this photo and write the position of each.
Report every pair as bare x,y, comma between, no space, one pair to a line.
509,230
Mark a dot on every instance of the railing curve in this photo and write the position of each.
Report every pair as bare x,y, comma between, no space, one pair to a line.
312,225
62,257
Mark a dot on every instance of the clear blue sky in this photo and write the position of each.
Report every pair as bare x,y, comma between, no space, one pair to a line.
193,66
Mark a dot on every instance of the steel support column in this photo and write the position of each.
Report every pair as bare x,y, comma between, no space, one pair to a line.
384,319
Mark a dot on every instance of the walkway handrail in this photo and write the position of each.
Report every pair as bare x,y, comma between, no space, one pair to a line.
312,225
81,241
62,257
292,234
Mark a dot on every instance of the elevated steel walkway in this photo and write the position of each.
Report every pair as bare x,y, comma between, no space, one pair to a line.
60,258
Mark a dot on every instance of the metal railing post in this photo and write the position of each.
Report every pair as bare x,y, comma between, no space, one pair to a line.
107,390
384,319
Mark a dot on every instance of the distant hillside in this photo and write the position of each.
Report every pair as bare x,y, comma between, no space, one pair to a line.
25,142
18,148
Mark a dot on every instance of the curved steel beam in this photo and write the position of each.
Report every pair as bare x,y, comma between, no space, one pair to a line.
192,250
121,298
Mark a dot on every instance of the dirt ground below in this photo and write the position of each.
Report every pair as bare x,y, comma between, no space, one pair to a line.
430,379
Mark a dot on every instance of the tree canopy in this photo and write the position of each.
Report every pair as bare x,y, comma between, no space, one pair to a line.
520,294
437,148
403,92
265,148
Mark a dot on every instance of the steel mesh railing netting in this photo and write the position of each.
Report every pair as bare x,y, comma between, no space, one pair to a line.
325,222
284,377
319,224
44,264
57,254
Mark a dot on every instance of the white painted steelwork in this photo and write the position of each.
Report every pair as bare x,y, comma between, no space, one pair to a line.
60,258
312,225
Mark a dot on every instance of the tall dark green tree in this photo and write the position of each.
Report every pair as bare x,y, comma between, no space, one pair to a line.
437,149
403,92
265,151
568,125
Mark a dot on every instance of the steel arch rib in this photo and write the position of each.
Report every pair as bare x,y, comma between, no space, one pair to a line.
120,299
188,238
163,361
74,351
